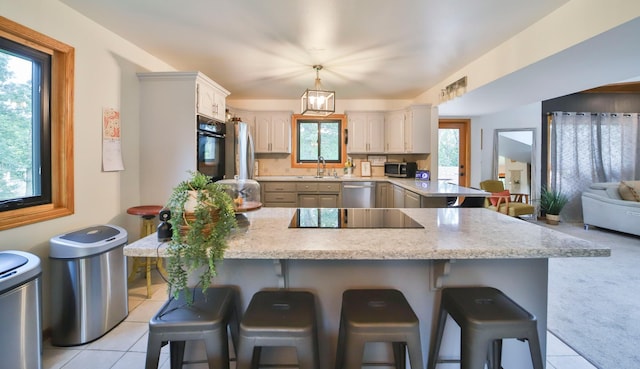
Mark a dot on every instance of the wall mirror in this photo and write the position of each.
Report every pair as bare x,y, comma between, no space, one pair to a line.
514,159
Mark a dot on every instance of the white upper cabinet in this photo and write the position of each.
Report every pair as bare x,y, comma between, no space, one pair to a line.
394,126
366,132
407,131
273,132
211,99
417,128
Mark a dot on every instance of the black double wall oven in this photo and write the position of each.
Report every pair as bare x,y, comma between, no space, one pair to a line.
211,144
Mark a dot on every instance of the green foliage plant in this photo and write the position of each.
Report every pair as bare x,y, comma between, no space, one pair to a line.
199,239
552,201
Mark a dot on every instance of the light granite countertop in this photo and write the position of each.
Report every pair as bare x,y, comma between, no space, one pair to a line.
437,188
449,233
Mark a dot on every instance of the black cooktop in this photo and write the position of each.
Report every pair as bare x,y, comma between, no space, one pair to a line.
351,218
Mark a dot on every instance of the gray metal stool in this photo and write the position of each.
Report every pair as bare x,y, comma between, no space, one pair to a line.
377,315
279,318
206,319
485,316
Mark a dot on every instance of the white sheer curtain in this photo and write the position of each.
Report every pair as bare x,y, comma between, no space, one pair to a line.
591,147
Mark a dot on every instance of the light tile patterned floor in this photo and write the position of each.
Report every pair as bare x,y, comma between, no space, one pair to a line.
125,346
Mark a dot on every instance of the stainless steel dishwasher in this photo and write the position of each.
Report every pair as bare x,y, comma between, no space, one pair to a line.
358,194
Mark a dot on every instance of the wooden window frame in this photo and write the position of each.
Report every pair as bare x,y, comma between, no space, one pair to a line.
294,139
61,125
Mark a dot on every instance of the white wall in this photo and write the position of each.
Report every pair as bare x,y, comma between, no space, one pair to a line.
544,47
105,67
483,129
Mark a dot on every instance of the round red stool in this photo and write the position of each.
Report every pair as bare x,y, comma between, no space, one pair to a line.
148,214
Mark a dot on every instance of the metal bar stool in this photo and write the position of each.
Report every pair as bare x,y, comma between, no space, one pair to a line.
207,318
148,214
377,315
485,316
279,318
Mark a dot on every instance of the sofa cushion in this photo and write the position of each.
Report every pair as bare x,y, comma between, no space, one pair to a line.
494,199
630,190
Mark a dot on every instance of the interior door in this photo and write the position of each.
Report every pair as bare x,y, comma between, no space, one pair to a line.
453,151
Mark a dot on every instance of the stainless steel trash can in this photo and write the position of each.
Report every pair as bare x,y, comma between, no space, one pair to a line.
89,284
20,307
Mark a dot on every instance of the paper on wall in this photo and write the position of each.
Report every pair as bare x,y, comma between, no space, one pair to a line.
111,143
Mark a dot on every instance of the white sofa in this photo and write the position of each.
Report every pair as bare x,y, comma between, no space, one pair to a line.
603,207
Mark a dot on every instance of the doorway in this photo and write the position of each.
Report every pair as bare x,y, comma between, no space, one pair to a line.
453,151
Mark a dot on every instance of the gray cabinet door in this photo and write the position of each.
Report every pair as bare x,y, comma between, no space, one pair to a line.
411,199
398,197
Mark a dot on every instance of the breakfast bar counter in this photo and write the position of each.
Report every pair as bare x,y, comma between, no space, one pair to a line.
448,233
456,247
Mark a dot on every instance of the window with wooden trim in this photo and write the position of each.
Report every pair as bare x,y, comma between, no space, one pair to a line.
315,137
36,126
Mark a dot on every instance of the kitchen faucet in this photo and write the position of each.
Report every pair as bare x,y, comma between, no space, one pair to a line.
320,172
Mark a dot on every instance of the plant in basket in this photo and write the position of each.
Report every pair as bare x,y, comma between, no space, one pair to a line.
202,216
552,202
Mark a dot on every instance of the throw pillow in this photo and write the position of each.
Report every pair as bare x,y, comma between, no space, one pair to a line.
494,199
629,191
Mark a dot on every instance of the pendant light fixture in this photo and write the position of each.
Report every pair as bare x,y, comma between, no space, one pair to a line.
318,101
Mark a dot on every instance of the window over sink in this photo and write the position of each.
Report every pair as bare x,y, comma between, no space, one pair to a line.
318,136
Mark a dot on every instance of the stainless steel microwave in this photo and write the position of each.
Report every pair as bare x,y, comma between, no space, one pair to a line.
403,170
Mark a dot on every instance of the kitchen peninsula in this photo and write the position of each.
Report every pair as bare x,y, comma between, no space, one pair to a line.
457,246
419,193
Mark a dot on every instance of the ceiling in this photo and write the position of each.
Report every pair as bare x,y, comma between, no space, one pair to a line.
370,49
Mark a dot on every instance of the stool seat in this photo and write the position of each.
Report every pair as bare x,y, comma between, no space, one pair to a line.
207,318
145,210
377,315
485,316
279,318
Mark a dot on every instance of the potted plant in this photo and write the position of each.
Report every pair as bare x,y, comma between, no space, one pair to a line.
552,202
202,216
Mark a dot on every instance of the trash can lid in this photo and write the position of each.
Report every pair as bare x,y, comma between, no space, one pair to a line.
87,242
9,262
16,268
91,234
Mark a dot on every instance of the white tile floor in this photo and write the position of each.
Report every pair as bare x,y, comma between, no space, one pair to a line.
125,346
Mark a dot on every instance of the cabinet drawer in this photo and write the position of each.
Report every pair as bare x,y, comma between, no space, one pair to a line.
280,205
280,197
279,186
307,187
329,187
